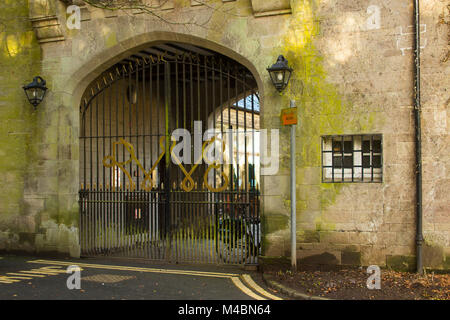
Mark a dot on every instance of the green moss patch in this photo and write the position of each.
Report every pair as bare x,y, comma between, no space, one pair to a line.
401,263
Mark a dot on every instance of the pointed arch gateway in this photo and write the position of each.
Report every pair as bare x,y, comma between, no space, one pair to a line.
144,194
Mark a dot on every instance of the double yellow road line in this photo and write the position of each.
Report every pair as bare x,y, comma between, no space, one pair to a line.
250,288
12,277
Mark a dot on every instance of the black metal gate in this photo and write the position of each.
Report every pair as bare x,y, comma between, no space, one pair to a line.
144,194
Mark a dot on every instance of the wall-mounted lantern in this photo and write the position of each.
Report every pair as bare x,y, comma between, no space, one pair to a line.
280,73
35,91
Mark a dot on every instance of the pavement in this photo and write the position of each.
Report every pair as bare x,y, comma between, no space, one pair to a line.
36,278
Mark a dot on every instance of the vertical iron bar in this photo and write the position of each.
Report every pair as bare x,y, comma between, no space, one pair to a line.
167,180
116,173
197,192
246,197
159,205
145,213
123,180
255,215
102,210
84,176
137,123
153,210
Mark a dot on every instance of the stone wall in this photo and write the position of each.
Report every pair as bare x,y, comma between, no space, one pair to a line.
19,62
353,65
358,78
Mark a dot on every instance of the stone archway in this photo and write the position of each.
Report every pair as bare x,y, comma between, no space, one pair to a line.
105,59
89,236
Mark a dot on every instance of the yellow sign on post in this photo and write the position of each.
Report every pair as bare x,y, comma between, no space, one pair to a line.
289,116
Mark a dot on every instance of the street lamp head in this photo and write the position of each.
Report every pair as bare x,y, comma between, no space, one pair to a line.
35,91
280,73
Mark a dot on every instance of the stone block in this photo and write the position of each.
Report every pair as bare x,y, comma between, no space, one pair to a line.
351,258
276,185
334,237
308,236
401,263
362,238
274,222
274,205
373,255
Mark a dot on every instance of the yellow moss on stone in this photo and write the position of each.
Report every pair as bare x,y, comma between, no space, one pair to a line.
322,109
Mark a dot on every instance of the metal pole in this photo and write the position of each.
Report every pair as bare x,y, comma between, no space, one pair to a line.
418,140
293,199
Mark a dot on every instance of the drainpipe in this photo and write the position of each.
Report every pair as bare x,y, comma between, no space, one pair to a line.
418,139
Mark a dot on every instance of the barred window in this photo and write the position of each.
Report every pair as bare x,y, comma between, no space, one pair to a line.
352,158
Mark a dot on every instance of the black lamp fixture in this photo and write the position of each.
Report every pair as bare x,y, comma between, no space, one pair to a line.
35,91
280,73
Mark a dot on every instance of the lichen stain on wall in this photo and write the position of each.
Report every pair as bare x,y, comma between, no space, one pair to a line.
19,62
322,108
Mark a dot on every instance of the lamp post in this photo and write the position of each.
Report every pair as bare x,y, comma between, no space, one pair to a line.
35,91
280,74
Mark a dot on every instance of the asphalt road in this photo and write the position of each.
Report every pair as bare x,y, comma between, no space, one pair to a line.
36,279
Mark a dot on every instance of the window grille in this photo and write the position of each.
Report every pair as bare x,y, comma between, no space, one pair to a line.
352,158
